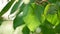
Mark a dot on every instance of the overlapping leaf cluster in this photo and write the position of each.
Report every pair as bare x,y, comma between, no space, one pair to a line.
45,15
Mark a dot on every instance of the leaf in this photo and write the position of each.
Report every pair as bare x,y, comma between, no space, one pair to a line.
26,30
21,8
53,19
46,28
58,12
38,9
51,14
25,10
31,20
19,18
46,9
52,1
6,8
32,1
15,7
18,21
57,28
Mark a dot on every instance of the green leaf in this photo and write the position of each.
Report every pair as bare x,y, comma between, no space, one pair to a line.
15,7
38,9
31,20
18,21
46,9
46,28
1,20
21,8
32,1
6,8
53,19
58,12
26,30
51,14
57,28
19,18
52,1
25,10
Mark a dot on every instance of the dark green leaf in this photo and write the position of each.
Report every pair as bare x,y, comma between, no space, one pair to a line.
51,14
15,7
52,1
21,8
6,8
39,12
47,28
32,1
26,30
18,21
57,28
53,19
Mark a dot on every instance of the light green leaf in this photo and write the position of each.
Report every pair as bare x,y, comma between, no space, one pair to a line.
46,9
51,14
53,19
31,20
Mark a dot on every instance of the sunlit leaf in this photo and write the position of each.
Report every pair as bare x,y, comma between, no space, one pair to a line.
51,14
31,20
53,19
46,9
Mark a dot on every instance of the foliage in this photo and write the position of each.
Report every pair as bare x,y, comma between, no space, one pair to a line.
35,13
